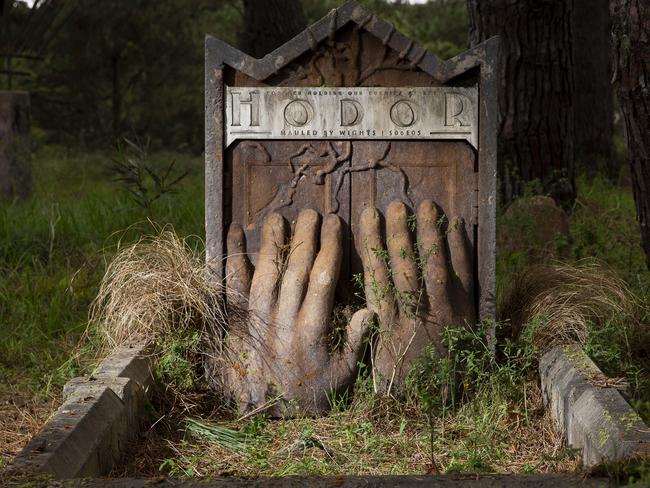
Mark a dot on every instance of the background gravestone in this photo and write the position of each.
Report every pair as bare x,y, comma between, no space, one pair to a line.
15,151
300,128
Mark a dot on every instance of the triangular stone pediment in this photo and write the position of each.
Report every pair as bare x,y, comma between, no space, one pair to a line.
221,53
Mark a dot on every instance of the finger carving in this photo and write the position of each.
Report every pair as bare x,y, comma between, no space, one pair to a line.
296,276
322,282
461,254
433,250
284,362
264,285
379,294
402,258
238,269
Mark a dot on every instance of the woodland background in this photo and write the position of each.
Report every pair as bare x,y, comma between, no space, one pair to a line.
117,98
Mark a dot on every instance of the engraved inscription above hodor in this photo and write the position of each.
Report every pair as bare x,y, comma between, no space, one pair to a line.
351,113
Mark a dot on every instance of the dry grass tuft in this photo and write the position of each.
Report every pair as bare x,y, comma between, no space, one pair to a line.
156,288
562,301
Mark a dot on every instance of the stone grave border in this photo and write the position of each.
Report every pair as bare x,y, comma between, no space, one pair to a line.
593,416
100,415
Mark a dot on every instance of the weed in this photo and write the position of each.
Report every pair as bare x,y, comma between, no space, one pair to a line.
144,183
468,369
176,367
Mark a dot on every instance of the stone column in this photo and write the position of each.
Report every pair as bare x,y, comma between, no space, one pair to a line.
15,151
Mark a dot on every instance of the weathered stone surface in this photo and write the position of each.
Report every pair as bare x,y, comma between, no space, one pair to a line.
128,373
129,361
414,305
595,419
15,150
534,225
100,414
84,438
278,351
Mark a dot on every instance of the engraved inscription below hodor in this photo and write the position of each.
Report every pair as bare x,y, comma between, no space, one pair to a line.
351,113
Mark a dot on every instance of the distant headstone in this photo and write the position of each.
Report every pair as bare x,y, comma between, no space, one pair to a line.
15,150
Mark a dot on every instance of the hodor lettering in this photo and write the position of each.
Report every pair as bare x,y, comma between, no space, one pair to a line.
366,113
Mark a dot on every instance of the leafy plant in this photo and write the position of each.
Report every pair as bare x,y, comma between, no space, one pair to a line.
470,367
145,183
176,367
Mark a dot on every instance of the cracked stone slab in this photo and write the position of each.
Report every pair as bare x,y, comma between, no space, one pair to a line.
593,418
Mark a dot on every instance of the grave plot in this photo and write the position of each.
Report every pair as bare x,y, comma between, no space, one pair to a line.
346,307
338,168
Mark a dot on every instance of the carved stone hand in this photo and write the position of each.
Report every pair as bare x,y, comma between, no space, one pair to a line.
424,291
281,351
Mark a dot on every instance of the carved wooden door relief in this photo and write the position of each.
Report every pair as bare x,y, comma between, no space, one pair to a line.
344,177
350,114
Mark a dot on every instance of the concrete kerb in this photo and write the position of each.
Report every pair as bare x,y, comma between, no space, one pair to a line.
593,418
100,414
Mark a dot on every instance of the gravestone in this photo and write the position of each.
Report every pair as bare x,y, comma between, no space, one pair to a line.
349,114
15,151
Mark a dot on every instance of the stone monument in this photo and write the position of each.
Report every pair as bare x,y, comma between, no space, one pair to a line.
352,125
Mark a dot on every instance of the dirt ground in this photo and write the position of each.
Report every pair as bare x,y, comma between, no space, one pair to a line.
21,417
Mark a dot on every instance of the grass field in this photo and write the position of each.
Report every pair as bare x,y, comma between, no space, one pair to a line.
53,252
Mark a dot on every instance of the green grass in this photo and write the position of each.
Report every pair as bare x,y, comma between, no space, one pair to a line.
603,227
53,249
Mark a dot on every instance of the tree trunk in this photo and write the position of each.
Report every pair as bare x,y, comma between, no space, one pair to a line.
535,93
15,152
116,96
593,91
632,49
268,24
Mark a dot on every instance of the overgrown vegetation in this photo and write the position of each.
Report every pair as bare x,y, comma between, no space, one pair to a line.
470,407
53,251
53,254
602,304
496,423
469,411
